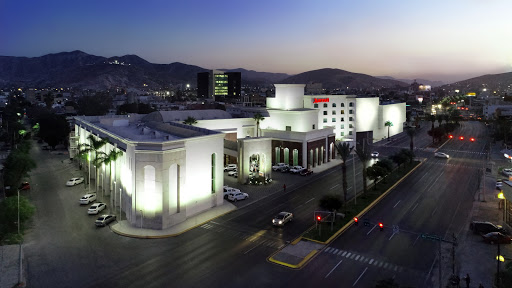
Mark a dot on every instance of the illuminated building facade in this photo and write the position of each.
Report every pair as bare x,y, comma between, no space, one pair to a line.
219,85
167,172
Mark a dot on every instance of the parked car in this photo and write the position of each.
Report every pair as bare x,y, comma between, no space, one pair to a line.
237,196
279,166
88,198
497,237
441,155
228,190
282,218
296,169
483,227
375,154
230,167
306,172
75,181
96,208
499,184
232,172
24,186
507,172
104,220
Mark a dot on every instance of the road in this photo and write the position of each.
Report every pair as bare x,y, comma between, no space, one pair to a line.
65,249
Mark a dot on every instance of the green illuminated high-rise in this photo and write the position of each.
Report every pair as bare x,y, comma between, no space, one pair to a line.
219,85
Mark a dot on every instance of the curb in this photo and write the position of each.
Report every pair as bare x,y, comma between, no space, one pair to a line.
293,266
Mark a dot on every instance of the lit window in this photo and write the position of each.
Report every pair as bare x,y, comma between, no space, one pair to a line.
333,119
342,126
342,112
325,120
342,133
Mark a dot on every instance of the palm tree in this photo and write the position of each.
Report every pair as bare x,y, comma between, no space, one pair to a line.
107,159
411,132
93,146
190,121
344,150
388,124
258,118
363,153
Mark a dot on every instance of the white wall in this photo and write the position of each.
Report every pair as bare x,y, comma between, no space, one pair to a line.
242,126
394,113
288,97
299,121
367,115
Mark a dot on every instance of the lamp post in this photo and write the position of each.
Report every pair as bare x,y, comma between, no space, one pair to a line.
141,218
353,152
112,196
89,166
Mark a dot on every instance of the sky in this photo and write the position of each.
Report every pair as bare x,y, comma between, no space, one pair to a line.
445,40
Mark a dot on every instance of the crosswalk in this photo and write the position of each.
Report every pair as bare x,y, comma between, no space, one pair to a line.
259,238
363,259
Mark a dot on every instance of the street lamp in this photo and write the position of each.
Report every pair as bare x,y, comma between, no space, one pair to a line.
141,218
353,152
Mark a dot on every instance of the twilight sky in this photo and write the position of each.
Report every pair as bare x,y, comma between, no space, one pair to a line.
444,40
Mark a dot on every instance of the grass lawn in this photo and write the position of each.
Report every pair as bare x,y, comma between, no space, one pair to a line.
323,231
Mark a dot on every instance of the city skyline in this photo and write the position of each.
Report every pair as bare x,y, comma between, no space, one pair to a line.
442,41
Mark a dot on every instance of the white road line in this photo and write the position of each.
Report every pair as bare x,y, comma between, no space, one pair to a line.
251,249
371,261
434,211
414,207
214,222
371,230
391,236
333,269
349,188
335,186
341,251
348,255
344,253
327,250
357,258
397,203
416,240
360,276
309,200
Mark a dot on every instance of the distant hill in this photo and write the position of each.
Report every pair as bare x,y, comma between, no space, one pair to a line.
419,81
493,82
252,77
337,78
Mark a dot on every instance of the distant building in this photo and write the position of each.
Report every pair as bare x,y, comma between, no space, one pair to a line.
219,85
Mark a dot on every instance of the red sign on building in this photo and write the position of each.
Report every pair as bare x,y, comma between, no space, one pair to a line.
318,100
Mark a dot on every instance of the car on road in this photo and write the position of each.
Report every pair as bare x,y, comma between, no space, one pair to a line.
296,169
96,208
497,237
484,227
88,198
499,184
228,190
75,181
441,155
24,186
279,166
375,154
282,218
104,220
237,196
306,172
507,172
230,167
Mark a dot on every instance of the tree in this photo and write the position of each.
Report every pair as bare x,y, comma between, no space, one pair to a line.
388,124
53,129
9,215
411,132
94,146
190,121
375,172
408,155
344,150
98,104
258,118
107,159
331,203
16,167
363,153
398,158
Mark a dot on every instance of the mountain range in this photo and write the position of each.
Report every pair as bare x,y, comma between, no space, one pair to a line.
81,70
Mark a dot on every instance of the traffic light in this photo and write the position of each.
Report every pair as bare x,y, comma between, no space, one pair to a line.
461,137
318,218
472,139
381,227
451,136
356,221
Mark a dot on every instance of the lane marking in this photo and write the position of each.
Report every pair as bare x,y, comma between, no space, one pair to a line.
391,236
335,186
414,207
397,203
309,200
434,211
214,222
333,269
371,230
251,249
360,276
416,240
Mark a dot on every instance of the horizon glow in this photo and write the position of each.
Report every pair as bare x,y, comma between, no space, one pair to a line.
440,40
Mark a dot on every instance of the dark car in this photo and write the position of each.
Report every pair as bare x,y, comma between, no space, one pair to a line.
24,186
482,227
103,220
306,172
497,237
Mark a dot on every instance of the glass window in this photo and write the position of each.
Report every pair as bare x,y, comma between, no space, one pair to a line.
313,126
333,112
342,126
342,105
350,126
333,104
333,119
350,119
349,132
342,112
325,120
315,105
351,104
342,133
325,105
350,111
325,112
342,119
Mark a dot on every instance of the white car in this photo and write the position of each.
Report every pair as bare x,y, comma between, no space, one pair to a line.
232,173
75,181
96,208
228,190
103,220
296,169
237,196
441,155
507,172
279,166
282,218
230,167
375,154
88,198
